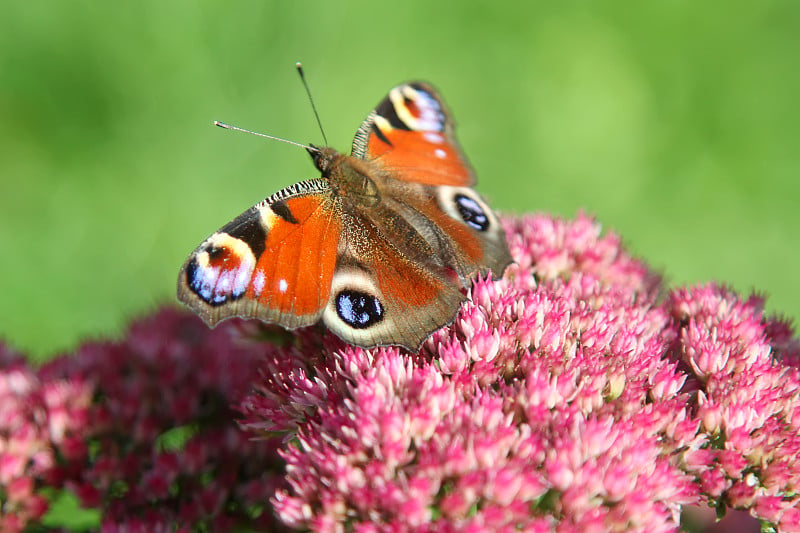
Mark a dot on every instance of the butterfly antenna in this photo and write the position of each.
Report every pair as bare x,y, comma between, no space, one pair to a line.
310,99
236,128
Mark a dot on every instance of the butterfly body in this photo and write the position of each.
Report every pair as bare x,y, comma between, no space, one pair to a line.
378,248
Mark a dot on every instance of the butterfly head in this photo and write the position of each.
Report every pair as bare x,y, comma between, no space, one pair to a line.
323,157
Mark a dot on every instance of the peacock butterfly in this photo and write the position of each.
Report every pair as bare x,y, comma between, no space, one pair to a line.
379,248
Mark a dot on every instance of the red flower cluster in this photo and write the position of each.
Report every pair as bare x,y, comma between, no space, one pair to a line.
142,429
40,424
566,396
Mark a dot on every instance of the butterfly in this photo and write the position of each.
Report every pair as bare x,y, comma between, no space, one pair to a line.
379,248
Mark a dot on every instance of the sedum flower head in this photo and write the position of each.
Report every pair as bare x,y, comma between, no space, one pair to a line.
564,396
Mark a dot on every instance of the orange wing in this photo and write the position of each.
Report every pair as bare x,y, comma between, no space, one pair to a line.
410,134
275,262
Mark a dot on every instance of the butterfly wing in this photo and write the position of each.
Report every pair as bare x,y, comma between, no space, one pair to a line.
410,133
411,136
468,236
411,245
297,257
381,295
274,262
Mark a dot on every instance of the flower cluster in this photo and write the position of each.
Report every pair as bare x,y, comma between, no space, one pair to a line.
143,430
41,423
564,396
747,402
568,395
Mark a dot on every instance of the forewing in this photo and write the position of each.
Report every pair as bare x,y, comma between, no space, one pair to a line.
410,135
275,262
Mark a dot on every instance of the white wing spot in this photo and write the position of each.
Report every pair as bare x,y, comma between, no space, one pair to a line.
225,283
258,283
431,117
441,154
433,137
282,285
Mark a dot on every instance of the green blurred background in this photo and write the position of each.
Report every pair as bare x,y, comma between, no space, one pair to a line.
675,122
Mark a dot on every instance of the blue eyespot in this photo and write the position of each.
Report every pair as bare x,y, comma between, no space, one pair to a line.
472,213
357,309
199,285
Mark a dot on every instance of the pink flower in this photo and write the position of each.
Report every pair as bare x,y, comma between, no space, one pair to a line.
39,423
